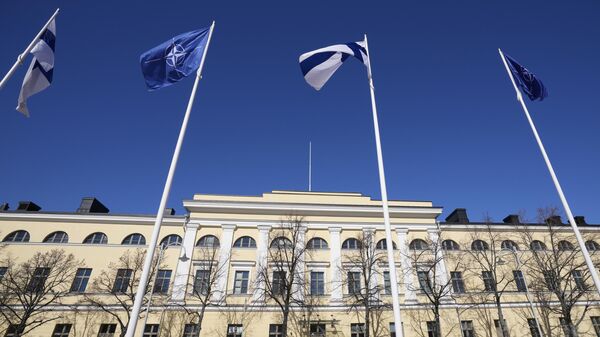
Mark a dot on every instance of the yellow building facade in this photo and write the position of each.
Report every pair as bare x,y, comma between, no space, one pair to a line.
240,231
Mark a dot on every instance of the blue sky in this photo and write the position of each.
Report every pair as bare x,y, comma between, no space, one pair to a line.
451,128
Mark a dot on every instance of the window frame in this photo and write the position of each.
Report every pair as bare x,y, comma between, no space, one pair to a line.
239,330
519,279
458,283
357,330
203,241
489,283
80,282
250,245
141,240
322,243
22,235
51,238
162,281
123,278
91,239
246,280
352,282
62,332
356,245
320,284
151,330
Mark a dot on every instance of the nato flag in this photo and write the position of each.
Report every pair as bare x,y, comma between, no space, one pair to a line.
529,83
173,60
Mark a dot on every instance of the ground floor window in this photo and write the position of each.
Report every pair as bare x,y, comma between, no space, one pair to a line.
596,324
317,330
467,328
191,330
11,331
357,330
533,328
500,327
61,330
107,330
234,330
150,330
275,330
432,330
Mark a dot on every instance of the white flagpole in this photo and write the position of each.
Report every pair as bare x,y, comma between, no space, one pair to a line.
563,199
23,55
384,201
139,296
309,166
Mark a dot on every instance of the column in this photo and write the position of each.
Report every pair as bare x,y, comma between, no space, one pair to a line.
406,266
440,267
335,248
226,241
262,247
182,272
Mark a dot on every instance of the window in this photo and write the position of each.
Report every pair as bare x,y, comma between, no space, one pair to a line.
537,245
424,281
161,284
281,243
38,280
317,330
240,285
501,327
122,280
382,244
565,245
81,280
150,330
550,280
458,284
351,243
467,329
387,284
450,245
509,244
489,284
392,330
432,330
275,330
134,239
57,237
357,330
61,330
3,272
171,240
234,330
533,328
592,246
579,281
519,280
278,284
208,241
107,330
11,331
317,243
201,282
245,242
596,324
353,282
418,244
317,283
96,239
191,330
479,245
17,236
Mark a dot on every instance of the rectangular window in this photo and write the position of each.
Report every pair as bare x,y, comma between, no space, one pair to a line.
596,324
489,284
278,284
2,272
161,284
357,330
234,330
81,280
579,281
317,283
61,330
432,330
11,331
467,328
275,330
150,330
387,284
501,328
38,280
201,282
519,280
353,282
533,328
458,284
107,330
392,330
122,280
317,330
240,285
191,330
550,280
424,281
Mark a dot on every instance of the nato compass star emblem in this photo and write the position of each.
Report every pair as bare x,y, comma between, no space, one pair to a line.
175,55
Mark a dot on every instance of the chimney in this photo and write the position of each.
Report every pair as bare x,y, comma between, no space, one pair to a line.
512,219
4,207
28,206
169,211
554,220
91,205
579,220
459,215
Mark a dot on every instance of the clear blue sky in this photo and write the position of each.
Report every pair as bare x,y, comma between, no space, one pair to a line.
452,130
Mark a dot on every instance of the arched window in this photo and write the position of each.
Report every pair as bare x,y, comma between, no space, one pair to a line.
97,238
317,243
382,244
537,245
509,244
17,236
450,245
209,241
565,245
351,243
57,237
281,242
479,245
592,246
418,244
171,240
245,242
134,239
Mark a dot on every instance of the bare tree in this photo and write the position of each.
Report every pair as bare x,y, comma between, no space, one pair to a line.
236,315
31,287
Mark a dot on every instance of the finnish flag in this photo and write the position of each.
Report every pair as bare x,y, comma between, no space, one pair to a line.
319,65
39,74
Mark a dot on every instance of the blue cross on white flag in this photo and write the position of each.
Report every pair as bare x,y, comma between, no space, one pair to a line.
39,75
319,65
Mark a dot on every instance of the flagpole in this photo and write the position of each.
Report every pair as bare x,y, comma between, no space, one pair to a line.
384,201
309,166
139,296
23,55
563,199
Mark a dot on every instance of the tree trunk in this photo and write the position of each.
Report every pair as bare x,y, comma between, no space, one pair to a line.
438,327
367,321
284,324
501,321
200,319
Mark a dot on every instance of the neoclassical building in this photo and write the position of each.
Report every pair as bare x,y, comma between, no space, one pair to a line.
239,232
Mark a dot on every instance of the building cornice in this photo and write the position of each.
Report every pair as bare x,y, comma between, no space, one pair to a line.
91,218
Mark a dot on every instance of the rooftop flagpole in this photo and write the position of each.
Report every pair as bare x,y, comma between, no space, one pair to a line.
384,201
23,55
309,166
139,296
563,199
